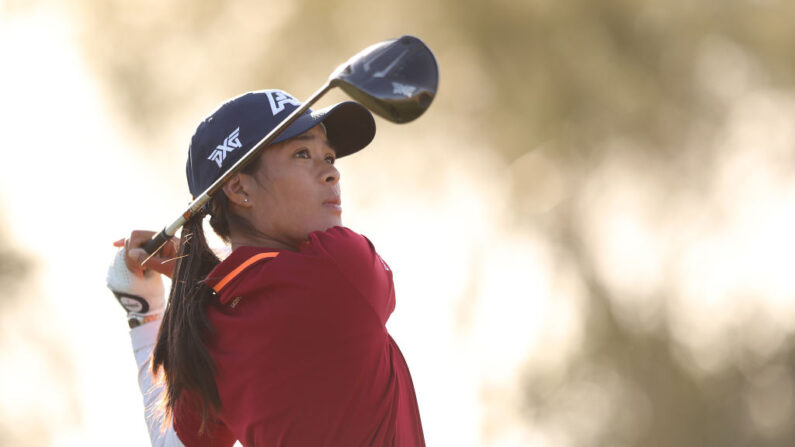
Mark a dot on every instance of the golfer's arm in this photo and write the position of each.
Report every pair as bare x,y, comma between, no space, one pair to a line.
143,341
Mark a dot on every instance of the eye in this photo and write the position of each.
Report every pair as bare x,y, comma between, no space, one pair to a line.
303,153
330,159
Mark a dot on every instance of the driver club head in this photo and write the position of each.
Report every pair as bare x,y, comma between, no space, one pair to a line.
396,79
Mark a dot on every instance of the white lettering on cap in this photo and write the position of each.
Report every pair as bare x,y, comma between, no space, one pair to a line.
231,143
278,99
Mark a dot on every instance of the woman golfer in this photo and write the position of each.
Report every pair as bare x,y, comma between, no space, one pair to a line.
283,343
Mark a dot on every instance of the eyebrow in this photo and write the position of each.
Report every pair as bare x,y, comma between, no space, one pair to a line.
308,137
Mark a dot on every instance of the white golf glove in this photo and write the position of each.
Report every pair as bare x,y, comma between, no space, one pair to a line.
141,297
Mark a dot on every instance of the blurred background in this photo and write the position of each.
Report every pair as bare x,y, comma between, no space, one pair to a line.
591,229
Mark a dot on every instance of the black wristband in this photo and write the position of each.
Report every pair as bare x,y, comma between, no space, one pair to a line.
132,303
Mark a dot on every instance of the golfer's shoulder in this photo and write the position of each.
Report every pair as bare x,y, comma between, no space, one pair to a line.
340,244
353,257
334,249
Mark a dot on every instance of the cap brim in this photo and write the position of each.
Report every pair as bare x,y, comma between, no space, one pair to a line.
350,127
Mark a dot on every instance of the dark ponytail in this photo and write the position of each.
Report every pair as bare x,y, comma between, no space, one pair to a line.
180,352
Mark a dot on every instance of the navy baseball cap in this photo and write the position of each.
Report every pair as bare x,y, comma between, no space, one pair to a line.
231,131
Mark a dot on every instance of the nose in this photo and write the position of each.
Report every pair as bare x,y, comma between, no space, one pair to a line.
331,175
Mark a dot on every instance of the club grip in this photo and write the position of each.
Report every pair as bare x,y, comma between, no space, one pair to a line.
152,245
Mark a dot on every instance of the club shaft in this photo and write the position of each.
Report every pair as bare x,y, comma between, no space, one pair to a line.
152,246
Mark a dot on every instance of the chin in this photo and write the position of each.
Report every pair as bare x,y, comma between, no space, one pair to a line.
336,221
326,223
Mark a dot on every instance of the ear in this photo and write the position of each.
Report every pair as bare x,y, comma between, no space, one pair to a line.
236,190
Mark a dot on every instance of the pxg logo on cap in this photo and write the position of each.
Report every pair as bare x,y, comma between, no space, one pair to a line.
230,143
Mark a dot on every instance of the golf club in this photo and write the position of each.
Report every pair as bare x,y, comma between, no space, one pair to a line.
395,79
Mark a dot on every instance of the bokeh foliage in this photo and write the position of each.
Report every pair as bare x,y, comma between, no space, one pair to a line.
571,76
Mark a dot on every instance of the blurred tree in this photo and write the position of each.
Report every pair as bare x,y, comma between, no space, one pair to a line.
25,345
13,271
573,76
572,72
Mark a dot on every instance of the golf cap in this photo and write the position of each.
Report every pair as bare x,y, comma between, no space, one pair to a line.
231,131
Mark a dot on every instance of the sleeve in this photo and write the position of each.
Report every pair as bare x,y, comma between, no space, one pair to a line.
143,340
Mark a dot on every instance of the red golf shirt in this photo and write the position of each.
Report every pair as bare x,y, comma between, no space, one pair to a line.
303,356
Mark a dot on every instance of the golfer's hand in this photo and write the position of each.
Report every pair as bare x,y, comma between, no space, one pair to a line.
138,287
162,262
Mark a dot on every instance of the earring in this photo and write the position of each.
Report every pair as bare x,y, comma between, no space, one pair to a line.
245,199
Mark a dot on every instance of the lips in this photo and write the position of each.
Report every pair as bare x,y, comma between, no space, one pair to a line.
334,203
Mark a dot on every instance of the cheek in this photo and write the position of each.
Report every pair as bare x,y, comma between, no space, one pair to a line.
291,198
